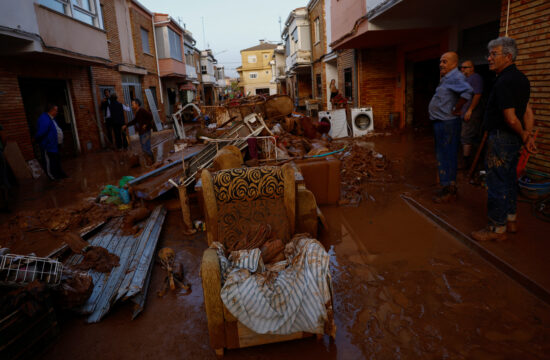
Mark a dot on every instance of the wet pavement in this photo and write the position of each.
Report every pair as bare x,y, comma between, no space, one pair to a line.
403,288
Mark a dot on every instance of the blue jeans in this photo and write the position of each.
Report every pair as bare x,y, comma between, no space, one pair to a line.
447,139
501,162
145,141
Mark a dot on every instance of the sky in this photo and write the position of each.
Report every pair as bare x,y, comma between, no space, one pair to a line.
229,25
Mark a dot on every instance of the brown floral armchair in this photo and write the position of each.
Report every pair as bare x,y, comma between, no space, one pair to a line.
235,201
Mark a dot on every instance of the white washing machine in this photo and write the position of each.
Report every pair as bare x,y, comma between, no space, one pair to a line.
337,121
362,121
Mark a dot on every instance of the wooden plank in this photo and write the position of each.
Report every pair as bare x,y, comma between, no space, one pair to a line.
248,337
16,161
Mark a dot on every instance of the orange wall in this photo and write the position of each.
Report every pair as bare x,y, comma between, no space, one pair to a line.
343,16
171,66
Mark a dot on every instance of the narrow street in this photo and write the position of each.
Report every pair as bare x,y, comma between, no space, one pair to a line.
403,288
293,179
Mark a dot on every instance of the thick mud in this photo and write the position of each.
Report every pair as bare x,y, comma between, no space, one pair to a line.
403,288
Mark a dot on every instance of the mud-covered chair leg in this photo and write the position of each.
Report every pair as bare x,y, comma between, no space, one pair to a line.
211,287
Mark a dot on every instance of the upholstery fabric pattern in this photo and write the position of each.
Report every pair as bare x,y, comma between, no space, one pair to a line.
248,184
235,219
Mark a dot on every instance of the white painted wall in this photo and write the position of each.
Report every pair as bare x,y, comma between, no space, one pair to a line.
19,14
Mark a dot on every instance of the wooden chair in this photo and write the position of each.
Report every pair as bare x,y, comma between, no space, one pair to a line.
236,200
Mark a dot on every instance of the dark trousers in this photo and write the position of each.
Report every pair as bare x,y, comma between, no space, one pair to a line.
109,127
447,139
120,137
501,161
52,165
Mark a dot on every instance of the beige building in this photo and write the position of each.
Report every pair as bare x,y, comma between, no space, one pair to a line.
256,72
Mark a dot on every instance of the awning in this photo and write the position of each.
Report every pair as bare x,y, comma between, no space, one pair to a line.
188,87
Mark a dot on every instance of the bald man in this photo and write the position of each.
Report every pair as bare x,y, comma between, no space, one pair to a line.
445,108
472,111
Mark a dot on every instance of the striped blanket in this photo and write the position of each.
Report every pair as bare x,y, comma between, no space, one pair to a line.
281,298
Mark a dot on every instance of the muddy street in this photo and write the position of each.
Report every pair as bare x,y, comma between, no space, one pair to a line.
324,179
403,288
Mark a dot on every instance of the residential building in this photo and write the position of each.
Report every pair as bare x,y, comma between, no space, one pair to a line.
141,21
316,12
176,62
397,47
133,66
209,81
278,63
192,68
220,81
256,72
47,50
296,35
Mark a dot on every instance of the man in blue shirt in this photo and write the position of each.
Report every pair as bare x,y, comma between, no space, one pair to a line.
46,136
444,109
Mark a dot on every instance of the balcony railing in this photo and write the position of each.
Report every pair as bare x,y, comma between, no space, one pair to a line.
190,71
300,57
208,79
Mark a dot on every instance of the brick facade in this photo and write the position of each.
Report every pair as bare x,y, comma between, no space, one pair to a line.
140,19
111,28
318,50
377,78
14,118
529,26
345,60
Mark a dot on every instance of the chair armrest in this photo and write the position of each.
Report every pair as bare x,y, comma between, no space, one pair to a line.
306,213
211,287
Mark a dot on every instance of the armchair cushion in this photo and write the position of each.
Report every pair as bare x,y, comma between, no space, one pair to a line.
290,296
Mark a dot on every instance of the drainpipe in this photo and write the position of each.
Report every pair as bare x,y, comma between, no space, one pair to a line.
313,94
356,78
157,55
96,106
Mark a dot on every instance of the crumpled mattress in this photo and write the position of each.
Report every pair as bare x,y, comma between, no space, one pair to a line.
282,298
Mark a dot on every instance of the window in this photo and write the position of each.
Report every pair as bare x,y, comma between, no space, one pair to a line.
319,84
145,41
316,30
203,69
81,10
175,45
253,75
294,35
348,84
252,59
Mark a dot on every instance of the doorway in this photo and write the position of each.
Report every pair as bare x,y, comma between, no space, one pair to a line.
131,88
37,94
422,78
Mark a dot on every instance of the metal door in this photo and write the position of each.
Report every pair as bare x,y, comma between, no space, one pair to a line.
131,89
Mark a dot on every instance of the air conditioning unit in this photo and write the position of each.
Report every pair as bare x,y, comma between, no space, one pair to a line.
362,121
337,121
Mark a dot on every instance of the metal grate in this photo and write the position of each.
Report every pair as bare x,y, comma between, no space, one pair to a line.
22,270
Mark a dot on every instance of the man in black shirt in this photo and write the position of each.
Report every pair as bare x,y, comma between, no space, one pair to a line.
509,122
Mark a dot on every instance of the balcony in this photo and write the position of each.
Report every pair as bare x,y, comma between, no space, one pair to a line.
208,79
33,27
221,83
191,72
298,58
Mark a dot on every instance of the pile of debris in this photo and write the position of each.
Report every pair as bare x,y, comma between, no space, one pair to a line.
358,164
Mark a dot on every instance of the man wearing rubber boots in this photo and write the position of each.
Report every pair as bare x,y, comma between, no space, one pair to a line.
509,123
445,108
